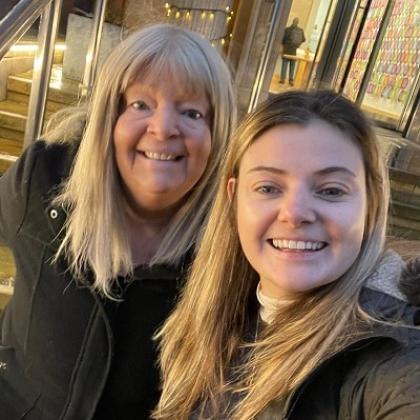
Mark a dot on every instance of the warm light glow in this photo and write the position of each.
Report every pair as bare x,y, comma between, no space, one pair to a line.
230,35
56,80
188,14
167,6
168,13
34,47
228,18
227,8
212,16
223,41
203,15
177,15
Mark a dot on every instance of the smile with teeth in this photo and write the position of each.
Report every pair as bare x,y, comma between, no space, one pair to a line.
285,244
159,156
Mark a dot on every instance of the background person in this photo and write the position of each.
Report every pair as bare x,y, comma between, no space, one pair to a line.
103,229
293,309
293,38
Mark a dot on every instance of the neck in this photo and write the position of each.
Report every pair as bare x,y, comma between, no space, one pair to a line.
269,305
146,230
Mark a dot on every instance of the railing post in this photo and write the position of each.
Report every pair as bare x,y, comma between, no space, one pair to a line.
93,48
17,22
42,70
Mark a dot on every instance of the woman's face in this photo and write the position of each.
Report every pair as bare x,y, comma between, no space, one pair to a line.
162,144
301,205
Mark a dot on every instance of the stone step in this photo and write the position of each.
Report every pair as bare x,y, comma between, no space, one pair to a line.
404,228
7,274
64,92
10,150
405,210
11,134
12,120
24,99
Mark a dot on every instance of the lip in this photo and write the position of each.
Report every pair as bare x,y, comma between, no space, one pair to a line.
177,158
296,254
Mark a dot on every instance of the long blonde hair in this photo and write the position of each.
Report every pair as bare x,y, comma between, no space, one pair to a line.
201,340
96,232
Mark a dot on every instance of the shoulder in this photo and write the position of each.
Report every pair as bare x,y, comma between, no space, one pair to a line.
28,186
385,381
54,159
392,291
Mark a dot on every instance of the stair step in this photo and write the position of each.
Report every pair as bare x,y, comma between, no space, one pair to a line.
401,227
405,210
11,134
12,120
7,272
24,99
66,94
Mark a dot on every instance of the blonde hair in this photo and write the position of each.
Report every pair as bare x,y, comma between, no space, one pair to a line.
202,340
96,232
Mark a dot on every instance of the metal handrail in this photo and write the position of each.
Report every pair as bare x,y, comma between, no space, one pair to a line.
18,21
44,57
93,48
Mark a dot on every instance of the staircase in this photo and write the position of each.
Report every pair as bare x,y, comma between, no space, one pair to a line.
13,110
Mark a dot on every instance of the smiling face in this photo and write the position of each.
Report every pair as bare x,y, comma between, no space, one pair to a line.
162,144
300,206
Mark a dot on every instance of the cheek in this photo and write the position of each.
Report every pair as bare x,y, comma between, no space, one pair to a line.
200,148
126,131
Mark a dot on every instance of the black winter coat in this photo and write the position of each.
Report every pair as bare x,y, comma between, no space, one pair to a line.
56,341
292,39
375,378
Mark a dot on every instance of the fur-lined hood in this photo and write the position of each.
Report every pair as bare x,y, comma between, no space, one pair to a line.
410,281
392,291
397,278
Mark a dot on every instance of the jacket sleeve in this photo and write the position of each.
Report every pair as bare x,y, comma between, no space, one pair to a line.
393,392
14,189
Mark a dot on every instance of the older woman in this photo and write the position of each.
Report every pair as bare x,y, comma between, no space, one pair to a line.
103,229
293,309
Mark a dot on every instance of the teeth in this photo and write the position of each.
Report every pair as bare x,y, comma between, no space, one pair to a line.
159,156
300,245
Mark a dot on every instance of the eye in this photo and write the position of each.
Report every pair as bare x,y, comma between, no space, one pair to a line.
332,192
268,189
193,114
139,105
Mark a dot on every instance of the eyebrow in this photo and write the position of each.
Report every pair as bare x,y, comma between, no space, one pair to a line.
325,171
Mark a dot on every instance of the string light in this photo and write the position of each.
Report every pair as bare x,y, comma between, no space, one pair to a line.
177,12
210,11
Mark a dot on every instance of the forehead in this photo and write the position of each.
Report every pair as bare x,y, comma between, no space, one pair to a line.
303,150
163,89
162,72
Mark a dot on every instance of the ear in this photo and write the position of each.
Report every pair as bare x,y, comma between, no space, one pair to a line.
231,187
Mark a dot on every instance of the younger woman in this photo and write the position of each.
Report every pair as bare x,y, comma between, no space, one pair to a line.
292,309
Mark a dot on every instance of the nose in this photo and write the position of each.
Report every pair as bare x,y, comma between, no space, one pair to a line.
163,123
297,208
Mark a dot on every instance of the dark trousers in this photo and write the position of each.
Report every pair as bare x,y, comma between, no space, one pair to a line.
291,63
